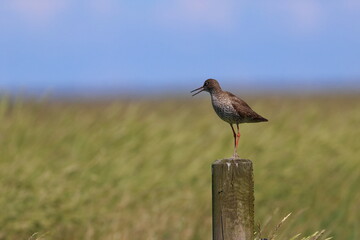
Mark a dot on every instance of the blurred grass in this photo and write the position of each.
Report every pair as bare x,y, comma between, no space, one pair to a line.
141,169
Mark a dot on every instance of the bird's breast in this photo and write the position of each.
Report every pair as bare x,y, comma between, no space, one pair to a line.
224,109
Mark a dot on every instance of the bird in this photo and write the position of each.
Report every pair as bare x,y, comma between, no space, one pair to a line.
229,108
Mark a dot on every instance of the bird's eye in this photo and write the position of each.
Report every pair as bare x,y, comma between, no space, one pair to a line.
206,83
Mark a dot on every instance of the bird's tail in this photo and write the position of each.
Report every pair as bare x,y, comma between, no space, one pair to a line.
260,119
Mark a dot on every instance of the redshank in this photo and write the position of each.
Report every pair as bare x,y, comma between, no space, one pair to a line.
230,108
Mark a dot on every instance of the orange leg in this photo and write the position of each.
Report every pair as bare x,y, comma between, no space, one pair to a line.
234,134
236,139
237,135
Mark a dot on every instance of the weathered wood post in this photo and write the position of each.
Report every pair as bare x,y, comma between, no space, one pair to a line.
233,199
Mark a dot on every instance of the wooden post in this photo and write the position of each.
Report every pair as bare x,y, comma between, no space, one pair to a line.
233,199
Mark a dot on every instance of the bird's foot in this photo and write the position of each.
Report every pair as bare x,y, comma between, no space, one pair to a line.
235,155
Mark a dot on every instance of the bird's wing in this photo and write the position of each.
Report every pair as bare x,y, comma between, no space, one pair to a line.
243,109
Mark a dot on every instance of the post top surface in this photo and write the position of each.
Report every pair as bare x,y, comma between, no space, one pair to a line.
232,160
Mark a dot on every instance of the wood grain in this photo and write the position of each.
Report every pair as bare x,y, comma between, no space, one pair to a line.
233,199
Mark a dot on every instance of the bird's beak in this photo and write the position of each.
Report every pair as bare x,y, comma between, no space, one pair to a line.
200,88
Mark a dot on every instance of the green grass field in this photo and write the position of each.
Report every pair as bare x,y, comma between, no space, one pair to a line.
131,170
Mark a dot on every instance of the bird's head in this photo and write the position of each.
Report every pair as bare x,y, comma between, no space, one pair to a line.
209,86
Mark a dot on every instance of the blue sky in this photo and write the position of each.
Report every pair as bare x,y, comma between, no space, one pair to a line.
114,45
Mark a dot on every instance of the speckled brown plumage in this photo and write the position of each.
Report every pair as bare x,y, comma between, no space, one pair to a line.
230,108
